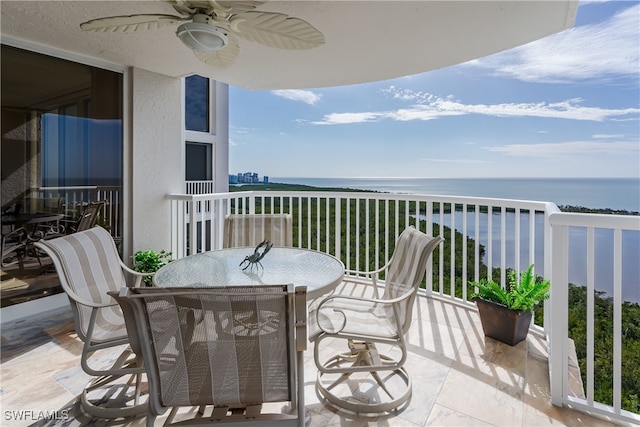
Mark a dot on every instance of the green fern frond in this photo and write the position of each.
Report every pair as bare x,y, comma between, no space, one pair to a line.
522,295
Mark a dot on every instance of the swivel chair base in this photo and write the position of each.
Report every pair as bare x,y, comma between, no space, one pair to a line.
386,390
118,395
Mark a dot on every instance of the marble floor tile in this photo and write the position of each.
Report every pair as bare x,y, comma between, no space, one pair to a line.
445,417
459,377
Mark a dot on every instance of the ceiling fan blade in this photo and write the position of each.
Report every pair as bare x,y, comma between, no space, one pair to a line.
128,24
183,7
222,8
240,6
276,30
223,57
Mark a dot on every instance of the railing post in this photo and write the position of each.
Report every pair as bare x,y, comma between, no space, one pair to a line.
559,317
252,204
193,227
338,228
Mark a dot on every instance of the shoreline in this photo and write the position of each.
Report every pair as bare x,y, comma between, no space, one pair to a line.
278,186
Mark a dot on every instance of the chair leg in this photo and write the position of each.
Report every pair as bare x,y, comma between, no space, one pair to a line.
355,399
116,395
104,397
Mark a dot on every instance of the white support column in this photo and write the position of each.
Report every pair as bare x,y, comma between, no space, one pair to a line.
221,148
157,157
559,308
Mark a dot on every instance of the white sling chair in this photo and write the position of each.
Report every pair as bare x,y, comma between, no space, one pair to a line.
89,266
357,314
251,229
246,351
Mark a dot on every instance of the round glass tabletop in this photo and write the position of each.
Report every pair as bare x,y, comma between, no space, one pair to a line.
318,271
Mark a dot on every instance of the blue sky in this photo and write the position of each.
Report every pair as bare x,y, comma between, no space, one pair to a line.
564,106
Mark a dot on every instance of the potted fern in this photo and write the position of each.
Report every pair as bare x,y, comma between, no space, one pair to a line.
149,262
506,313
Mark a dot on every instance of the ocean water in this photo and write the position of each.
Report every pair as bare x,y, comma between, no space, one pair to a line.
597,193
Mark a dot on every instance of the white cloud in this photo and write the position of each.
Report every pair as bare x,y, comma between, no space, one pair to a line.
603,50
437,107
408,94
564,149
608,136
240,130
305,96
348,118
457,161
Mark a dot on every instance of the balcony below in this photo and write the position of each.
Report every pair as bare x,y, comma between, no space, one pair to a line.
460,378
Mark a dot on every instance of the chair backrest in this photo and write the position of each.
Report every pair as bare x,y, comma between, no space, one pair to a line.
12,242
231,346
407,268
88,265
250,230
89,216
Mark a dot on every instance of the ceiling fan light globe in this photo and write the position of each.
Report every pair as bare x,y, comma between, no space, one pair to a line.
202,38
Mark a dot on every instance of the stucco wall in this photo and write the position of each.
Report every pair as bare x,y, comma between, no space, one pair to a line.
157,156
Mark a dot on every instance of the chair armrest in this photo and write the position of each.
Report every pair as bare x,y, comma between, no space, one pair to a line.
138,275
369,278
367,273
363,308
367,300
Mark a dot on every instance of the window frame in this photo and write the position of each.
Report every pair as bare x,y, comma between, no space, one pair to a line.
198,137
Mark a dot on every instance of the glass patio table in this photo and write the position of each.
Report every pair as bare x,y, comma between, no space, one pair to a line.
318,271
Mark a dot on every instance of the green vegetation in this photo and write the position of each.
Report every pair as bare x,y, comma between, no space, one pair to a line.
289,187
149,262
603,346
315,229
582,209
522,295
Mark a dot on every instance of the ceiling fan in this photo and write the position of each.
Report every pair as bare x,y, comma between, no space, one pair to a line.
209,27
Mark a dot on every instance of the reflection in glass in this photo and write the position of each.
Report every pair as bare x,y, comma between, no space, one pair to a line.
197,103
61,150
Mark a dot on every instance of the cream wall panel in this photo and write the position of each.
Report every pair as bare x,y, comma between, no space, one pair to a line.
157,157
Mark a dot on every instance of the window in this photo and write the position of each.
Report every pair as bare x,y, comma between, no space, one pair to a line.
198,162
199,133
61,149
197,104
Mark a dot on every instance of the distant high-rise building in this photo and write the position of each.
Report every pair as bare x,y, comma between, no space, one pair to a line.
247,178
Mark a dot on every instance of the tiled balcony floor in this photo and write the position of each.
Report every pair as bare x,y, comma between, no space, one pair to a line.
460,378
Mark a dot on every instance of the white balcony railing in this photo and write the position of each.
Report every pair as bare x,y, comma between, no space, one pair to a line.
562,225
76,197
199,187
483,238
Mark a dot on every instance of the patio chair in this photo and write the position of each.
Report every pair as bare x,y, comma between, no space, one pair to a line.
246,351
358,315
251,229
14,246
52,205
89,216
89,266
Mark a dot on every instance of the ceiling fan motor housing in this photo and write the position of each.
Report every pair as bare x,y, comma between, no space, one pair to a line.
202,37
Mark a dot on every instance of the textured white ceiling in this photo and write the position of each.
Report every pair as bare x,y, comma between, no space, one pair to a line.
365,40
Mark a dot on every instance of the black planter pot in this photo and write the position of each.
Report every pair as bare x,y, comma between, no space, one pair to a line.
505,325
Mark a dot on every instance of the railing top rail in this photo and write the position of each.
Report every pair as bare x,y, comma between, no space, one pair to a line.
199,197
76,187
626,222
483,201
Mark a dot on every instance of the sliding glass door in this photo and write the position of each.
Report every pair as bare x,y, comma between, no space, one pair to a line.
61,150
